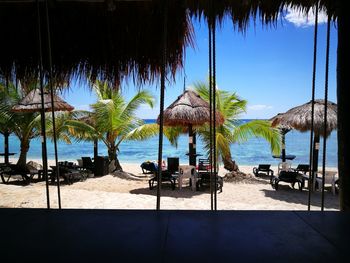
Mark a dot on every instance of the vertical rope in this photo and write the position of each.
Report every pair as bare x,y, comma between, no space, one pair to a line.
161,113
214,115
311,172
42,112
52,104
210,115
325,111
185,76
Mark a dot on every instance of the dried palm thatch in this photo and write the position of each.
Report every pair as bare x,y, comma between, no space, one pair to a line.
32,103
300,118
111,39
284,127
89,38
189,109
241,11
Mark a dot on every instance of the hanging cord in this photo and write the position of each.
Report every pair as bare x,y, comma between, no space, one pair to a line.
185,76
42,112
210,112
52,104
214,113
325,110
161,113
311,170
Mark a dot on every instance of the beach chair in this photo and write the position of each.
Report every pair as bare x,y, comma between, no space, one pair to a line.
147,167
203,172
302,168
263,169
173,165
166,176
203,165
88,164
69,175
11,170
290,176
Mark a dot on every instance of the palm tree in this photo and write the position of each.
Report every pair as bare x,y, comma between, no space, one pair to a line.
113,120
232,130
25,126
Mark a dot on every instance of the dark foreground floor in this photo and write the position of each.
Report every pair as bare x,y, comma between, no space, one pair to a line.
37,235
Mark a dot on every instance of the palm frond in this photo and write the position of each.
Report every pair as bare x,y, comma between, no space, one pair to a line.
259,128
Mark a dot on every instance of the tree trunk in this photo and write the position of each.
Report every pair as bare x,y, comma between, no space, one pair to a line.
343,83
113,160
22,161
230,164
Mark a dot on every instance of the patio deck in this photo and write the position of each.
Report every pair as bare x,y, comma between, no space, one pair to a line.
39,235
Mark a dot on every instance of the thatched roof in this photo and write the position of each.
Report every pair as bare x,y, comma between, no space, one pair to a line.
116,38
188,108
89,39
32,103
300,117
283,126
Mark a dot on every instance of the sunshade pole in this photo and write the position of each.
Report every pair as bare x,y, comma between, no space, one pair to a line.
42,112
6,132
325,110
52,104
210,114
214,113
161,113
311,170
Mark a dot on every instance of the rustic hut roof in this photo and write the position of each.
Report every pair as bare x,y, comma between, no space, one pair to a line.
188,108
300,117
283,126
112,39
32,103
88,38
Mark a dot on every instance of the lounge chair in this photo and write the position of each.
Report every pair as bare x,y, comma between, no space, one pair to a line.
166,176
302,168
11,170
147,167
173,165
70,175
291,177
203,173
88,164
263,169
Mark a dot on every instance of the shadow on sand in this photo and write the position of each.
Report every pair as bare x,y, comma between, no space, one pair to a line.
185,192
287,194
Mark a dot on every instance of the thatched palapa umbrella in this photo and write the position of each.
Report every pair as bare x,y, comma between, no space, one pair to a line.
300,118
32,103
189,110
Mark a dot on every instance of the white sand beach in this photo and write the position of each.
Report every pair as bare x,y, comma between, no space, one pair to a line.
112,192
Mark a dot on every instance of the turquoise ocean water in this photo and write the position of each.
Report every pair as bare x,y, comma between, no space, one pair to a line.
252,152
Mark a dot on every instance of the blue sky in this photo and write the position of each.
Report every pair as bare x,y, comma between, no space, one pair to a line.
269,66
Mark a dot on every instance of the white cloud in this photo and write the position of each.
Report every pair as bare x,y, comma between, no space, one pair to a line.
300,19
259,107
